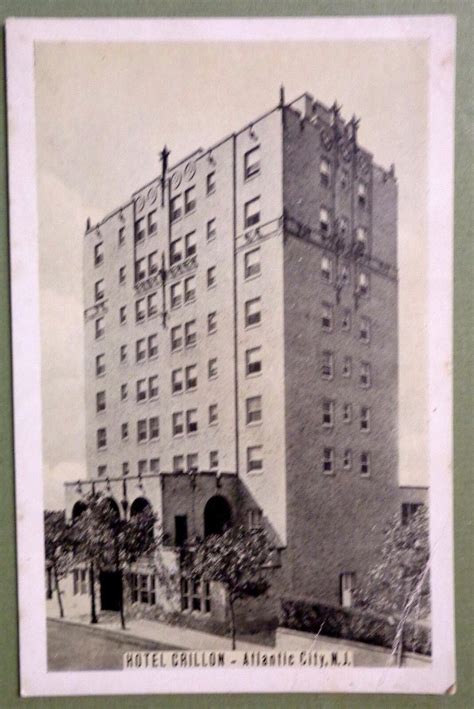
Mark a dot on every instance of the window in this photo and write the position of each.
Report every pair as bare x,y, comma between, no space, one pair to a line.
155,465
152,346
122,275
152,303
190,200
100,365
214,459
190,244
153,263
211,230
364,330
409,509
141,431
121,236
140,351
365,464
211,183
123,392
363,283
364,419
326,317
362,194
101,471
125,468
347,413
101,438
252,162
100,401
99,290
347,460
191,377
175,295
141,390
364,378
342,226
140,272
347,581
191,421
347,367
253,312
79,579
254,518
140,313
192,461
142,467
143,588
185,594
123,314
154,428
178,463
327,365
211,323
254,459
252,212
196,595
253,361
190,289
152,224
176,209
328,414
346,319
212,368
177,423
326,269
190,333
176,253
324,172
328,460
361,236
98,254
253,408
324,221
252,263
124,431
139,230
176,338
153,389
99,328
213,415
123,354
176,381
211,277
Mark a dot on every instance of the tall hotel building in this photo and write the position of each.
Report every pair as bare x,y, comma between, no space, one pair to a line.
241,351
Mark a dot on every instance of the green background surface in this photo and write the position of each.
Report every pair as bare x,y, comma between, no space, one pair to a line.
463,349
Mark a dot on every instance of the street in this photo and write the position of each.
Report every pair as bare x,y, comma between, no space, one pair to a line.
71,647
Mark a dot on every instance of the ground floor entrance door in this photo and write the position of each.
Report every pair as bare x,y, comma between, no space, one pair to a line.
110,589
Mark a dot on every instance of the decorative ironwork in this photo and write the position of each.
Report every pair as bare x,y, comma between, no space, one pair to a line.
149,283
95,310
182,267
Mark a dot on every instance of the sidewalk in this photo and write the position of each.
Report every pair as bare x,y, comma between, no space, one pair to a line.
155,631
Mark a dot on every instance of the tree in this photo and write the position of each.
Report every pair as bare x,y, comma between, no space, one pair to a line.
398,585
235,559
57,549
104,540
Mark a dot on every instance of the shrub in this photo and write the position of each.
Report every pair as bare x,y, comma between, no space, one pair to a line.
352,624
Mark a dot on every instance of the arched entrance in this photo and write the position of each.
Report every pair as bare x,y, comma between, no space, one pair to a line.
217,516
78,509
140,504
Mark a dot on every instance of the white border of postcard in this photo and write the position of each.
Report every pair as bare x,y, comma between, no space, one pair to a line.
22,34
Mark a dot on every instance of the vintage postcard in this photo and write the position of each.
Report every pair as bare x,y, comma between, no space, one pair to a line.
231,261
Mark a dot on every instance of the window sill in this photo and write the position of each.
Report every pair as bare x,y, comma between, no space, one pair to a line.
249,178
253,375
253,424
253,326
254,473
252,277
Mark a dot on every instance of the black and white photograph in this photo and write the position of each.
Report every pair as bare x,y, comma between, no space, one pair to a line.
231,306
